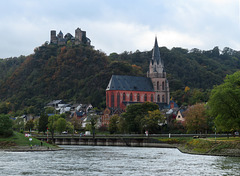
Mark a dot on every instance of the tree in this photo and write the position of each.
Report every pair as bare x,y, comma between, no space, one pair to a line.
29,125
5,126
224,104
134,115
61,125
196,119
113,124
52,124
18,124
50,110
43,123
152,121
76,123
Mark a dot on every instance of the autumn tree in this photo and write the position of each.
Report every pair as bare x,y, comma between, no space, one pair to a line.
224,104
196,119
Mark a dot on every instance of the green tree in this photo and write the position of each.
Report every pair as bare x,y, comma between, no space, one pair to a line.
61,125
196,119
134,115
52,124
113,124
18,124
152,121
5,126
49,110
76,123
43,123
224,104
29,125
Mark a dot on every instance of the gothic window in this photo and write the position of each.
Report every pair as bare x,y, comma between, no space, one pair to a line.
124,96
163,98
163,85
145,97
158,85
158,98
112,100
118,100
131,97
151,97
138,97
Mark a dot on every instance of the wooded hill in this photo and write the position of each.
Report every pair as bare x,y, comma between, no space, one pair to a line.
81,74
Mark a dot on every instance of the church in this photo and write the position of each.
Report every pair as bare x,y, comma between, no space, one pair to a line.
125,90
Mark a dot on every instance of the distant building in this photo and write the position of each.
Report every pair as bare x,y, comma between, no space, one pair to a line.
80,38
124,90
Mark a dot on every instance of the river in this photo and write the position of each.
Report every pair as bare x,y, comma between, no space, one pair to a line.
106,161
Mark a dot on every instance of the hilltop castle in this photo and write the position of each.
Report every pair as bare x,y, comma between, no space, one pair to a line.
80,38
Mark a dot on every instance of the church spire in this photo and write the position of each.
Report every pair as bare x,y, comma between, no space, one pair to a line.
156,53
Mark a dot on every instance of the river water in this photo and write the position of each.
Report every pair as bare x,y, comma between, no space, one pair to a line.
96,160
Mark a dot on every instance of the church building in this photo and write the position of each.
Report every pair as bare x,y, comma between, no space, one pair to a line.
124,90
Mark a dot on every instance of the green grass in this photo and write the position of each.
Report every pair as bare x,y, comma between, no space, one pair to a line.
19,139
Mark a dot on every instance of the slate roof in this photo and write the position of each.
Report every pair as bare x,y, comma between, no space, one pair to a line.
130,83
156,53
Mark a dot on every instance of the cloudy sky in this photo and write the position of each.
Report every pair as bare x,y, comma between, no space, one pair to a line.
121,25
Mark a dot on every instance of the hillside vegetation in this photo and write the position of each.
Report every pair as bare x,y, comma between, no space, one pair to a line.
81,74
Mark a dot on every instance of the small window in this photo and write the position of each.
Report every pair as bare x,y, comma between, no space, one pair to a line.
138,97
145,97
124,96
151,97
158,98
163,100
131,97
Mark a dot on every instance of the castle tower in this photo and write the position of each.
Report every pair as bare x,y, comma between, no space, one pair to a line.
78,36
53,38
158,76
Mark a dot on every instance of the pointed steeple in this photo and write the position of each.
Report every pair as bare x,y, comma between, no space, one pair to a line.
156,53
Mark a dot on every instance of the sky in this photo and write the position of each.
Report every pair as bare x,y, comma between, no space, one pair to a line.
121,25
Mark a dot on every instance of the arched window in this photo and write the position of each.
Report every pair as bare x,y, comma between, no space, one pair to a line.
138,97
158,98
158,85
118,100
163,86
124,96
145,97
151,97
131,97
163,99
112,100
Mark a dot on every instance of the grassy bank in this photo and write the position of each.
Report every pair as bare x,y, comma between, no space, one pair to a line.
208,146
18,141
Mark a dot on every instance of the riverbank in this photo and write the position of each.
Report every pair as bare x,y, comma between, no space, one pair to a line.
19,143
206,146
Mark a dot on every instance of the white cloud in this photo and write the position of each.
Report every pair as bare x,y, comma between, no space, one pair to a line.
117,26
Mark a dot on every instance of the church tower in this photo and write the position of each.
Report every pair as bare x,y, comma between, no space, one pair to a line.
158,76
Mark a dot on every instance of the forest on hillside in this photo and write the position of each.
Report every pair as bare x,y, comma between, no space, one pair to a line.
81,74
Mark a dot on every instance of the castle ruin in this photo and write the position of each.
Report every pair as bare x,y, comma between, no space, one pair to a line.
80,38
